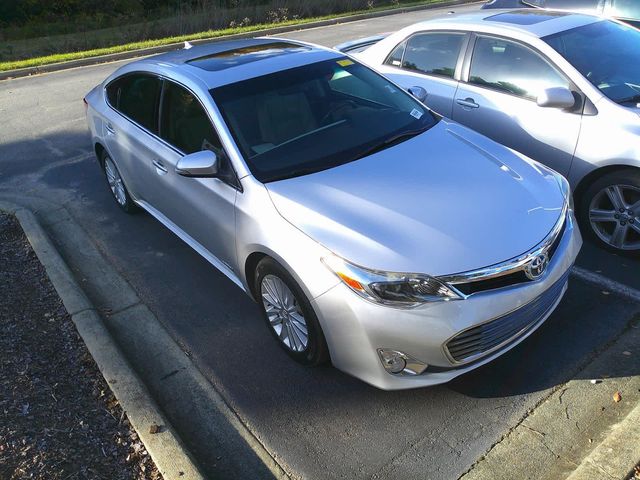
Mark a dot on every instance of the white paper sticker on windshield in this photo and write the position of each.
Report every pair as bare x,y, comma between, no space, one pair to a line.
416,113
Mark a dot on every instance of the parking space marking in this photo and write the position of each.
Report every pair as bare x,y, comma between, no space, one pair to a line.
606,283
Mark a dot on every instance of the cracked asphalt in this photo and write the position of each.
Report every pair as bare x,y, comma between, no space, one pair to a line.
318,423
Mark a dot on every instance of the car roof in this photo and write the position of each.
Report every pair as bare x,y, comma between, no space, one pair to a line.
532,22
225,62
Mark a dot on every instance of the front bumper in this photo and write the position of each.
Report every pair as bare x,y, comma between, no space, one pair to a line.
355,328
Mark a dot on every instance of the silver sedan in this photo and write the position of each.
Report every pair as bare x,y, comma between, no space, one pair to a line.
403,247
563,89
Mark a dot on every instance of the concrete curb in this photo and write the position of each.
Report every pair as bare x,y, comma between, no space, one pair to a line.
165,447
83,62
618,453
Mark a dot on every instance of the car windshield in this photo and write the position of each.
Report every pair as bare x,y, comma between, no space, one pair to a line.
318,116
607,54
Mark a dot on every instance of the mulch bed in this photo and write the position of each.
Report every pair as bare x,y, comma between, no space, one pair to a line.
58,418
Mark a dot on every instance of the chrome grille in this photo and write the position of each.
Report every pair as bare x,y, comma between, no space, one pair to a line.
484,339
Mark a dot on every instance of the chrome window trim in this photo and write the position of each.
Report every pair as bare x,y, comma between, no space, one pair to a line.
156,136
508,267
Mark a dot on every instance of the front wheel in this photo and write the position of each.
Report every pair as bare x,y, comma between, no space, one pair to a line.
289,315
610,211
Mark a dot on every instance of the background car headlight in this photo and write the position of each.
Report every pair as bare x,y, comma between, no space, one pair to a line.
388,288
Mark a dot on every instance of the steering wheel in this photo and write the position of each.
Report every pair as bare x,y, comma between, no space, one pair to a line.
338,108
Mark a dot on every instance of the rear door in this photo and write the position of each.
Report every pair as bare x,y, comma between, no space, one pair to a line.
430,60
130,125
503,79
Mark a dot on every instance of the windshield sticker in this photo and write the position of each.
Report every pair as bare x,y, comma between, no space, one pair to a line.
344,63
416,113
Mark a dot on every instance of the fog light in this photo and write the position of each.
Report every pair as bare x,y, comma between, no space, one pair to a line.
392,361
399,363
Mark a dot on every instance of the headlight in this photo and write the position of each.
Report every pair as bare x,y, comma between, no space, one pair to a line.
394,289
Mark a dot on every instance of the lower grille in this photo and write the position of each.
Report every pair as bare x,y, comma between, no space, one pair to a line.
485,338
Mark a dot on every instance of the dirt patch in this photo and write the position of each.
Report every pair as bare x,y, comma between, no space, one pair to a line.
58,418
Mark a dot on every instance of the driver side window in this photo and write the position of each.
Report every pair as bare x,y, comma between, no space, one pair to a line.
512,68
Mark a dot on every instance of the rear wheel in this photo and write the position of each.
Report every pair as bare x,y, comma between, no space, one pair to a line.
289,315
116,184
610,211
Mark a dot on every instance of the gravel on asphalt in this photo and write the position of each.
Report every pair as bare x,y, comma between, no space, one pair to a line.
58,418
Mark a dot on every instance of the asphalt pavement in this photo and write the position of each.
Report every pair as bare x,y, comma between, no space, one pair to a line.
319,423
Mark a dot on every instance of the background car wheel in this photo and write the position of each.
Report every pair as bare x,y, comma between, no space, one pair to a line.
289,314
116,185
610,211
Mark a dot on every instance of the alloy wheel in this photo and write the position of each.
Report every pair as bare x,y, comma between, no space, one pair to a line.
284,313
115,181
614,214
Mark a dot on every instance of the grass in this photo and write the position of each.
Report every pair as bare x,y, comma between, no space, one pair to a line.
209,34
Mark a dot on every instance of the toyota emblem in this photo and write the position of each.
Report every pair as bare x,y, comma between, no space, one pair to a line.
536,267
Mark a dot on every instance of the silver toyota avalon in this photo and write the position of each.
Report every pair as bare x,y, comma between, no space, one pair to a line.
403,247
564,89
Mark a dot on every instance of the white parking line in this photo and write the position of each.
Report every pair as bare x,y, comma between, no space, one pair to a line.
606,283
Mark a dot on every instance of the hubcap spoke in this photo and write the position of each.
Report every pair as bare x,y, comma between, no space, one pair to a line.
635,208
598,215
281,308
619,236
614,193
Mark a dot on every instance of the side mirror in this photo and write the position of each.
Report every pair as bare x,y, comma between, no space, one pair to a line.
200,164
557,97
418,92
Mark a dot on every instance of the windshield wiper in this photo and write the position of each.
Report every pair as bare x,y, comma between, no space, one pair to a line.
633,99
391,141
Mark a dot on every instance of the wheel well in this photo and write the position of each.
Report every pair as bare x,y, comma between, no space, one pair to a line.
250,269
591,177
99,151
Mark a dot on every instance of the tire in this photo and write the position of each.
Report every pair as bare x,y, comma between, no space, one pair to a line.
285,324
116,184
609,211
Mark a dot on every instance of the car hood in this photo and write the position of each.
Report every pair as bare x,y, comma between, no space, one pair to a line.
444,202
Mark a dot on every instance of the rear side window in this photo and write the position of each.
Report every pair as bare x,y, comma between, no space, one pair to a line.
395,58
511,68
136,96
184,122
433,53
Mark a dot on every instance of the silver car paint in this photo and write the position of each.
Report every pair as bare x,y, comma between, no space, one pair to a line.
251,224
574,145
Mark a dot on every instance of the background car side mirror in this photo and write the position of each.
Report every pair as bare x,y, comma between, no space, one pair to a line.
418,92
202,164
557,97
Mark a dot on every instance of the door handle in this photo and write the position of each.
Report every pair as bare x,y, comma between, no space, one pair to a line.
467,103
160,168
109,128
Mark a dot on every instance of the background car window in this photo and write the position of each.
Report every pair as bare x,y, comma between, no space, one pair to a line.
512,68
433,53
395,57
568,4
184,123
136,96
626,8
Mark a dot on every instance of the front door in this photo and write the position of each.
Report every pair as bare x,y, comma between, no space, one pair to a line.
499,100
203,208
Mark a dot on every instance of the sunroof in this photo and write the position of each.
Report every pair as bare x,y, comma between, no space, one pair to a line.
241,56
525,17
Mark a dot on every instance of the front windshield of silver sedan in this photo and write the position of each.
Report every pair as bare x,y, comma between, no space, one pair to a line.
317,116
607,54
